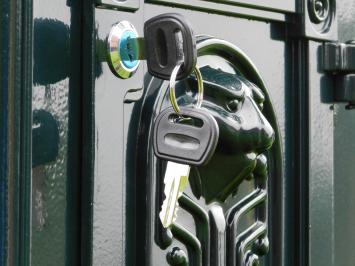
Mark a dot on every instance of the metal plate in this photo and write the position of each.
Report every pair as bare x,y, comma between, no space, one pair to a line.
273,10
119,4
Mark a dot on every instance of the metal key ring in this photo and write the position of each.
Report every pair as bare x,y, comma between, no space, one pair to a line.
172,82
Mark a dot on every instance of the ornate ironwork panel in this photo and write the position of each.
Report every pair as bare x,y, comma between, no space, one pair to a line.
223,217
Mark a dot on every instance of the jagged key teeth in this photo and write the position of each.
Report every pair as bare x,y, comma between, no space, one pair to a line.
175,180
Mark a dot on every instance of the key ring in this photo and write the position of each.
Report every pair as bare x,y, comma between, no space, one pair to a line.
172,82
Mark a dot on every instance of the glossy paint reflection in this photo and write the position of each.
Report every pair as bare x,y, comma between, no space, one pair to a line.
344,155
50,105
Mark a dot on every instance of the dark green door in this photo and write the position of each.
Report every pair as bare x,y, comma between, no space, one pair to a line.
82,184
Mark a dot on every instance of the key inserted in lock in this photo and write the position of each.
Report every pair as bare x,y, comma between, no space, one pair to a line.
169,40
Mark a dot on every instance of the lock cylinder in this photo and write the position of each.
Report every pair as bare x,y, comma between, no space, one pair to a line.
168,43
123,49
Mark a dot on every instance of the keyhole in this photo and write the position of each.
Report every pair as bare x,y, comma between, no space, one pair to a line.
129,49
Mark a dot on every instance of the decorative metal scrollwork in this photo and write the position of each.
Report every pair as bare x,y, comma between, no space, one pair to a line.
227,199
244,133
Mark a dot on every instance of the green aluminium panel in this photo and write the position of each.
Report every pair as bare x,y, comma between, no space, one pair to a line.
321,167
50,95
271,5
4,95
15,124
94,188
114,136
55,125
124,206
266,10
344,156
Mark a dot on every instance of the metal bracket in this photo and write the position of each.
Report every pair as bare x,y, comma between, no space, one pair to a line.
339,61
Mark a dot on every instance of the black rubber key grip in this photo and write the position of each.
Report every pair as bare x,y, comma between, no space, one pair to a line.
185,143
168,40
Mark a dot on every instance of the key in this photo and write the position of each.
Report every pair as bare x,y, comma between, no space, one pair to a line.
168,40
175,181
189,139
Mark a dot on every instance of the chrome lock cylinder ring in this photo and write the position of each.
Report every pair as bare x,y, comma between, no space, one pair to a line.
123,49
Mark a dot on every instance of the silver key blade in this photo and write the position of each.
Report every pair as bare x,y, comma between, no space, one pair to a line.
175,180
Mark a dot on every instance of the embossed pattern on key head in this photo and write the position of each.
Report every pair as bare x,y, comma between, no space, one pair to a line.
190,140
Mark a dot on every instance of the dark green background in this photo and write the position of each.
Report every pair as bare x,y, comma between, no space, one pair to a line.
81,202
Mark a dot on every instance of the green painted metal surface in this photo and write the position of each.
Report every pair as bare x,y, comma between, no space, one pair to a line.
321,178
216,60
91,190
55,134
344,157
4,92
50,95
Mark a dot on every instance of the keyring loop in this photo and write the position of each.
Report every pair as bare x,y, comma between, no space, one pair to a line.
172,82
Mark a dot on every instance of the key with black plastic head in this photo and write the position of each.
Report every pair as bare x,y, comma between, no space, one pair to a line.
169,40
189,138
